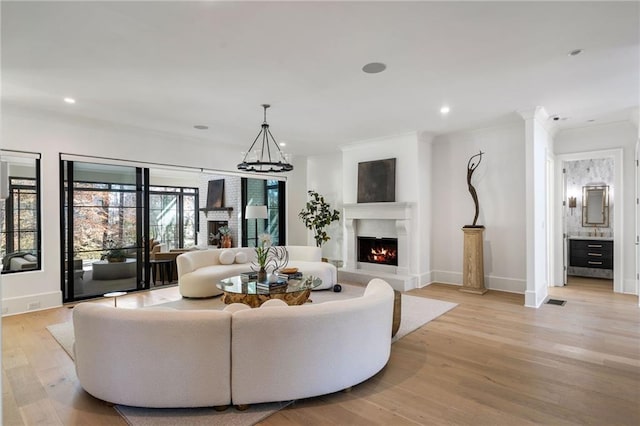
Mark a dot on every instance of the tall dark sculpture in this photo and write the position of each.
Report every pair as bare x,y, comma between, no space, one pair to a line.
471,167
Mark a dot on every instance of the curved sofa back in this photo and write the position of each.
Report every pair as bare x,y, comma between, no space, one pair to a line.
192,260
290,352
153,357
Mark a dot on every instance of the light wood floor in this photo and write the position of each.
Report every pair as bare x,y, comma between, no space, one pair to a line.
489,361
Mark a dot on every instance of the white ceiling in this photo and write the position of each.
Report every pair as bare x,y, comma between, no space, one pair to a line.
170,65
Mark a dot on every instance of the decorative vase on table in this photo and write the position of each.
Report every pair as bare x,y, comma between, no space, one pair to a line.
262,275
226,241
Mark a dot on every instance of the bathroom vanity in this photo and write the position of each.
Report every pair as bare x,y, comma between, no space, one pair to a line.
591,257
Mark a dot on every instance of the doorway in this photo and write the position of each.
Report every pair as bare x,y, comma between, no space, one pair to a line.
584,245
101,230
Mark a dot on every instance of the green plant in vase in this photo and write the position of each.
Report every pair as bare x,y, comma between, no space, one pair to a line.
262,255
317,215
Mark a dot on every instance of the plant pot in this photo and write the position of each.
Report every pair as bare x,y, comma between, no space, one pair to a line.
262,275
225,241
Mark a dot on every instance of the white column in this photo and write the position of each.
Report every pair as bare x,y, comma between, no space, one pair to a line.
351,243
404,246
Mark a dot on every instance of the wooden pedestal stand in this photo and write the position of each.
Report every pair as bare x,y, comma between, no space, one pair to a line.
473,262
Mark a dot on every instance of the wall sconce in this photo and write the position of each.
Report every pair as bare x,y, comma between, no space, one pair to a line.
572,204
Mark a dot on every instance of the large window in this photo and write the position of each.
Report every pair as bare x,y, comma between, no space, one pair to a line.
104,215
173,216
20,216
260,192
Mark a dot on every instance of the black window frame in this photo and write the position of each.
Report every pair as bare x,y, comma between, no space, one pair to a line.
10,224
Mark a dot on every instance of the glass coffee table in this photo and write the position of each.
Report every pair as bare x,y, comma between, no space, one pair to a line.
242,289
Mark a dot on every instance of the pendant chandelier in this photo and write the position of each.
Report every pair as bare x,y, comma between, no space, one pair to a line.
269,158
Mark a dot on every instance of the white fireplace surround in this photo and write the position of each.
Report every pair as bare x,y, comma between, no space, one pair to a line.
401,213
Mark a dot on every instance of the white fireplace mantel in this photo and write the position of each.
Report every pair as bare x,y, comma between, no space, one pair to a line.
378,211
401,214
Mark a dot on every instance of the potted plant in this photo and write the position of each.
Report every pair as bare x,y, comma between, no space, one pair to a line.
262,256
317,215
268,258
225,236
114,253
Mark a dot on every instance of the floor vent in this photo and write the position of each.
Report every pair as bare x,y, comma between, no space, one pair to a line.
556,302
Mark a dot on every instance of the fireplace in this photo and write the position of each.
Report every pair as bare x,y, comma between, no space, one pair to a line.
381,251
213,227
381,222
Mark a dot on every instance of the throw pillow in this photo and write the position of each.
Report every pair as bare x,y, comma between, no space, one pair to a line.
241,257
227,257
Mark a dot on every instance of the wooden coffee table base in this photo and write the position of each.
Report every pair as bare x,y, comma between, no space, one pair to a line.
397,312
255,300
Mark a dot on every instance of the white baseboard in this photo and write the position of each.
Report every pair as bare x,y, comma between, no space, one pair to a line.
31,303
510,285
424,279
446,277
533,300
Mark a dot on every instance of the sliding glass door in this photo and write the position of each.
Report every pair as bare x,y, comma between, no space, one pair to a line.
102,229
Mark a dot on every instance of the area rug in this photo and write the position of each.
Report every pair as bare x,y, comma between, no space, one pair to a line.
416,311
137,416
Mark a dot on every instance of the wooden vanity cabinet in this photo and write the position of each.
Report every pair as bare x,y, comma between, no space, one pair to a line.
591,253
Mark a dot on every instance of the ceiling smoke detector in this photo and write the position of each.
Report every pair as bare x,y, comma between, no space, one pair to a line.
374,67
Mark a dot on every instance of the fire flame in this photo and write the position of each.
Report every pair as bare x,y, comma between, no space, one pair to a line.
382,255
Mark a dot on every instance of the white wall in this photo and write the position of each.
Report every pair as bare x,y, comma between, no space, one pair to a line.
609,136
424,208
402,147
51,134
324,175
296,199
500,183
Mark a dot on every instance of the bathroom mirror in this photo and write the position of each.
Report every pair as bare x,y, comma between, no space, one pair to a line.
595,206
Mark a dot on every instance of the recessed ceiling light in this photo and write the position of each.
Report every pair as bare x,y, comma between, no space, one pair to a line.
445,110
200,127
575,52
283,144
374,67
70,100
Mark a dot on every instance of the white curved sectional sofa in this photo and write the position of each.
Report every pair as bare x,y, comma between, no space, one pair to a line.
156,357
200,270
